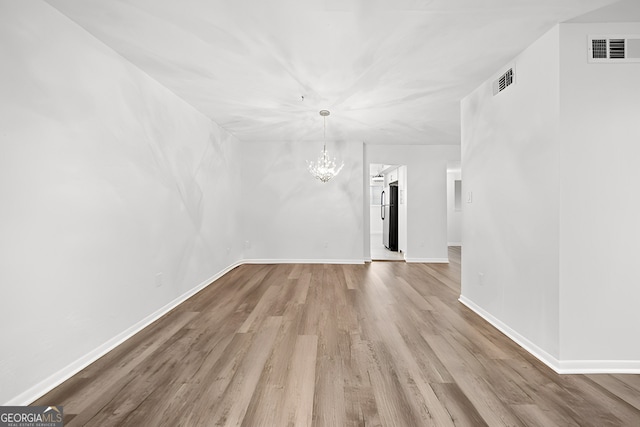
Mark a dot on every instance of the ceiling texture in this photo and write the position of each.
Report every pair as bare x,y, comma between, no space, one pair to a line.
390,71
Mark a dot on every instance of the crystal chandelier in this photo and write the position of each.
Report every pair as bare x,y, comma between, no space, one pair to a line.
324,168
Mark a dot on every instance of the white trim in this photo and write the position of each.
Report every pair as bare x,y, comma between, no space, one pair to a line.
303,261
25,398
600,366
454,244
559,366
429,260
523,342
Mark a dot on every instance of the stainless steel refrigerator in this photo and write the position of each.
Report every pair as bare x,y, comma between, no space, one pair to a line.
389,214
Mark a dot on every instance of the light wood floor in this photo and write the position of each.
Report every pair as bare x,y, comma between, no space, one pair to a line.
335,345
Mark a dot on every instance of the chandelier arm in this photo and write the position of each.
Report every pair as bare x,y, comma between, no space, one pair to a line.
325,167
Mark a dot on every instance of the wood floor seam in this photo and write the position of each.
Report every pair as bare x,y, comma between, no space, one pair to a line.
379,344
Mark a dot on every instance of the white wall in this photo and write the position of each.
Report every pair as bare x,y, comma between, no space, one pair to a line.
599,210
510,164
288,215
454,217
426,196
375,217
552,166
375,220
106,180
403,201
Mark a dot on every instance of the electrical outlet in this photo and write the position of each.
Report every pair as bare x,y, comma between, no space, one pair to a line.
481,279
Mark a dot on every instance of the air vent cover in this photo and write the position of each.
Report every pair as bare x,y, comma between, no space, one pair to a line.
614,49
503,81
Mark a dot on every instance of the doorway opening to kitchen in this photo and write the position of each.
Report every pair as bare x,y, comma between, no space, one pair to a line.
388,212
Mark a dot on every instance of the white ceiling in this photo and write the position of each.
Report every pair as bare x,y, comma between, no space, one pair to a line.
390,71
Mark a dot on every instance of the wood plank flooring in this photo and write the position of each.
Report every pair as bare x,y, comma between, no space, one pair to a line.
380,344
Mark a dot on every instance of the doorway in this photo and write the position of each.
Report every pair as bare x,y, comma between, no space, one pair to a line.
388,212
454,204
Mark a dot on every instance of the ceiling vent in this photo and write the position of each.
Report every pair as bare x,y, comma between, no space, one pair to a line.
504,81
614,49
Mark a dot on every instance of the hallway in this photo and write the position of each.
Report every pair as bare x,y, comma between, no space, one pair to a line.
380,253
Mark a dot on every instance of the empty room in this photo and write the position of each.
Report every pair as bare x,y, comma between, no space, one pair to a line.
319,213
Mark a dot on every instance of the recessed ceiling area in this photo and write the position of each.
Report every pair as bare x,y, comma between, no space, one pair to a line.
390,71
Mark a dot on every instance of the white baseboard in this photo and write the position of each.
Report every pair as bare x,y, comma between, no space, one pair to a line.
600,366
303,261
523,342
46,385
70,370
429,260
559,366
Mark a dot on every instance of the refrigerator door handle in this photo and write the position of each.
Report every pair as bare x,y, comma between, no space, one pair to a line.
382,205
